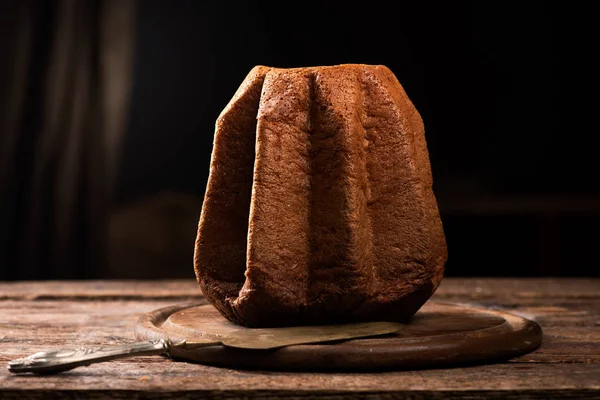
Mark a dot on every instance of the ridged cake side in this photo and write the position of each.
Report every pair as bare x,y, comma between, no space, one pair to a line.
408,239
221,243
343,223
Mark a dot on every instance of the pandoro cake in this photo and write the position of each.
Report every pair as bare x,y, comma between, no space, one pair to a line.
319,206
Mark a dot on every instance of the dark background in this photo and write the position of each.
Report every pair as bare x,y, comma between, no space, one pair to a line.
505,90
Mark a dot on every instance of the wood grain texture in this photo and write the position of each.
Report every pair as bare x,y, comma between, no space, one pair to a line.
441,335
41,315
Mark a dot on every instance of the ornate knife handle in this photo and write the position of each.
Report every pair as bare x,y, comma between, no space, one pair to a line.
49,362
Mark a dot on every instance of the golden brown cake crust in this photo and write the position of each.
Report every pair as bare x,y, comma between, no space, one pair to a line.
319,206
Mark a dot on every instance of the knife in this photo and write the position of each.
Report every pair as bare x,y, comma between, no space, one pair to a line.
54,361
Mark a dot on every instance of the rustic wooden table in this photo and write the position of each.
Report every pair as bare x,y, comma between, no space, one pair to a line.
38,316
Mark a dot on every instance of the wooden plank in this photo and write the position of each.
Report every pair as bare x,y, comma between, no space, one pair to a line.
567,364
99,290
171,376
295,395
31,326
522,288
473,288
112,322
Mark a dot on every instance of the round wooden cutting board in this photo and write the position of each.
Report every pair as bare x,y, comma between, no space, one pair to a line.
440,334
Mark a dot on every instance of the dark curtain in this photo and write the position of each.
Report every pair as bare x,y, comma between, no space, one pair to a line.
65,81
